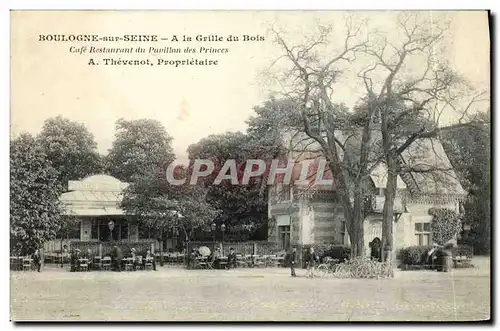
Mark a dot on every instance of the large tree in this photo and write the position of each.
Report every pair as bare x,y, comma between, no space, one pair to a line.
71,149
140,147
243,207
311,69
34,196
409,88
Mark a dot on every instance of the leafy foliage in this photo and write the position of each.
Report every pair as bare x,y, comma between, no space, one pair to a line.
34,196
469,150
446,225
140,146
71,149
339,252
413,255
243,207
162,206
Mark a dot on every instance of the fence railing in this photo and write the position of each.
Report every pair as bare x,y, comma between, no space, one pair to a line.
243,248
105,248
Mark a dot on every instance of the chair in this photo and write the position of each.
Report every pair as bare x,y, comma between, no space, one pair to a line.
240,262
210,261
149,264
129,265
98,262
139,265
83,265
106,263
27,264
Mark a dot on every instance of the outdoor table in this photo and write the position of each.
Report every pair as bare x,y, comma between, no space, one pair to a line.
15,263
222,261
82,261
97,263
258,260
127,259
277,260
201,261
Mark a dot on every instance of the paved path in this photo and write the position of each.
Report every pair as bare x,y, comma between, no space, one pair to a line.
174,294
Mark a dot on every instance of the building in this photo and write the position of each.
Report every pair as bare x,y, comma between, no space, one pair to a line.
94,202
314,215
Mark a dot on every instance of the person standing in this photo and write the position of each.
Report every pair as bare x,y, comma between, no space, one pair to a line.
293,260
37,260
311,259
73,260
134,258
116,258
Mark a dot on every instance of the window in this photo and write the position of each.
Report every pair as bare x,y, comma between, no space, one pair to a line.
423,233
124,231
74,231
284,236
95,229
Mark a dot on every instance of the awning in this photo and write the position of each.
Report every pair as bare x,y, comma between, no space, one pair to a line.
107,211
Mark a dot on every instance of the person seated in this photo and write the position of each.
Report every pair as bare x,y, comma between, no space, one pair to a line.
89,258
216,257
149,258
231,258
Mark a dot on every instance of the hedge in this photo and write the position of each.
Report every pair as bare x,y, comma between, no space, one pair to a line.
414,255
339,252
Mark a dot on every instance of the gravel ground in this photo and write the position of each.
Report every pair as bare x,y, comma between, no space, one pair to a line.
174,294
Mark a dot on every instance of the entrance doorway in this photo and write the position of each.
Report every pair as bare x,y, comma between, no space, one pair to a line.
376,249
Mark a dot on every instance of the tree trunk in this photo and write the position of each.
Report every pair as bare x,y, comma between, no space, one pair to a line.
388,213
358,228
161,248
186,234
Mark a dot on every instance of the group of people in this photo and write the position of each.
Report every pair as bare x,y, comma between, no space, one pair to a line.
310,258
77,258
214,257
117,259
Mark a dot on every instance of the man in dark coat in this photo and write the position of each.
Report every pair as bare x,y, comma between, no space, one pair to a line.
116,258
231,258
311,259
37,260
75,255
293,259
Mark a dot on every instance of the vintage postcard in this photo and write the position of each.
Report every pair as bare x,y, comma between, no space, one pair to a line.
250,166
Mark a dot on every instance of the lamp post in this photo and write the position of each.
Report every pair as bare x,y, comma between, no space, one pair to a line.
111,226
213,227
223,228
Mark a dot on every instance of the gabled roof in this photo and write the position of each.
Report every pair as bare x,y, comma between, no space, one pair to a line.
433,170
433,173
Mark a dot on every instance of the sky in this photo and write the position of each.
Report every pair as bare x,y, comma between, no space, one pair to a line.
192,102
